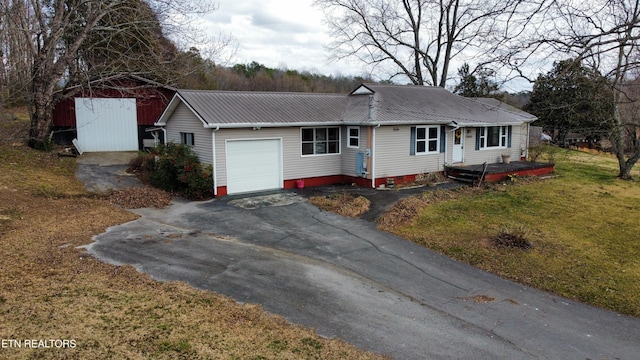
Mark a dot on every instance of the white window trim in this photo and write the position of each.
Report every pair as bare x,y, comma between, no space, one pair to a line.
426,140
349,137
314,141
504,135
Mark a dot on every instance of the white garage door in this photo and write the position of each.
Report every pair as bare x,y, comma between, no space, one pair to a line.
107,124
253,165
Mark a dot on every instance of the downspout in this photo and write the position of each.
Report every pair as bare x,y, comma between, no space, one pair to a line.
215,163
444,164
164,139
370,169
526,150
373,156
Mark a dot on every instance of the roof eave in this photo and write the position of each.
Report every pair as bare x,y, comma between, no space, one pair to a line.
217,126
171,107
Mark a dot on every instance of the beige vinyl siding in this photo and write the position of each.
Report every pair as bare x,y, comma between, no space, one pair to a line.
491,156
393,158
349,154
183,120
295,166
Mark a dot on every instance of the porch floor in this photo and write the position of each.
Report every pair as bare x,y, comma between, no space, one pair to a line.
499,171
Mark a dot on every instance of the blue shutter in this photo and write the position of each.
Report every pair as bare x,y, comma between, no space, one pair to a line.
509,130
413,141
443,139
477,138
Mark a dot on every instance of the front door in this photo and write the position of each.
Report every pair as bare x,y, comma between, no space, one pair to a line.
458,146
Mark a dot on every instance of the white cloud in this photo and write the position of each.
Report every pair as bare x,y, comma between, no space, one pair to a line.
279,33
289,34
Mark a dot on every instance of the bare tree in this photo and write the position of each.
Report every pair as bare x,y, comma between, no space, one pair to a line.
75,41
602,34
417,39
14,51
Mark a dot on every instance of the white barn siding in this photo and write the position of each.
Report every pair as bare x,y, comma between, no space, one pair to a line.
183,120
393,154
295,166
106,124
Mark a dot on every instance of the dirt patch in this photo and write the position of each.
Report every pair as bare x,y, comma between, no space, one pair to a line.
343,204
480,299
511,238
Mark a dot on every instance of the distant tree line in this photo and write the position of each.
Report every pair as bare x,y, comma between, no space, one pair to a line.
258,77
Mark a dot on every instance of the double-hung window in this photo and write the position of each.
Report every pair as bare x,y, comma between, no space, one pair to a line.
353,137
494,137
427,139
186,139
319,141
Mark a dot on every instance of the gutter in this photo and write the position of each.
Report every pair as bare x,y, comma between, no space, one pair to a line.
219,126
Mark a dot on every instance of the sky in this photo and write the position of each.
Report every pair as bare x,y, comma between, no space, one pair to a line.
289,34
283,34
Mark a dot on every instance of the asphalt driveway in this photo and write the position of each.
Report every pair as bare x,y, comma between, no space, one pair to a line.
346,279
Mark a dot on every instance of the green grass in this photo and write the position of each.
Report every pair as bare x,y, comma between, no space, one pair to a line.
584,226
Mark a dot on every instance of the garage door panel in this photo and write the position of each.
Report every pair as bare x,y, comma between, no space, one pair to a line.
253,165
106,124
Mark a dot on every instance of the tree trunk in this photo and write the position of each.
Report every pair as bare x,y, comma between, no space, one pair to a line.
628,164
43,86
41,119
625,172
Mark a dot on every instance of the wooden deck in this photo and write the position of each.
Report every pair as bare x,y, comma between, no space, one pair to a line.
497,172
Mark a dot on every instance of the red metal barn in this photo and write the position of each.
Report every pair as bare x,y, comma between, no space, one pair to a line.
111,114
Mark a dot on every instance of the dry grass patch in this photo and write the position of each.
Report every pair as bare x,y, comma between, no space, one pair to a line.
404,211
343,204
582,227
50,289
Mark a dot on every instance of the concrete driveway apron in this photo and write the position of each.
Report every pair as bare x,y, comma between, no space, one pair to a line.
348,280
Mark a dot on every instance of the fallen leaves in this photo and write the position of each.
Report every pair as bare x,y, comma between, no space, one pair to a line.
140,197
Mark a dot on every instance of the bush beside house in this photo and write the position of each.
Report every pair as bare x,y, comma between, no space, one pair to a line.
175,168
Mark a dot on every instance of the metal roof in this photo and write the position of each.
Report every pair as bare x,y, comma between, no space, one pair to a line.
268,108
409,104
368,104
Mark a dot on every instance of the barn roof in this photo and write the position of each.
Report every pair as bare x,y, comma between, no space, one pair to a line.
116,81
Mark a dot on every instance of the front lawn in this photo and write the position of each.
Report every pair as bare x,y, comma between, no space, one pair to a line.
583,225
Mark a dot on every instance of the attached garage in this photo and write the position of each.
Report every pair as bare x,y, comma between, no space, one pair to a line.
106,124
254,165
